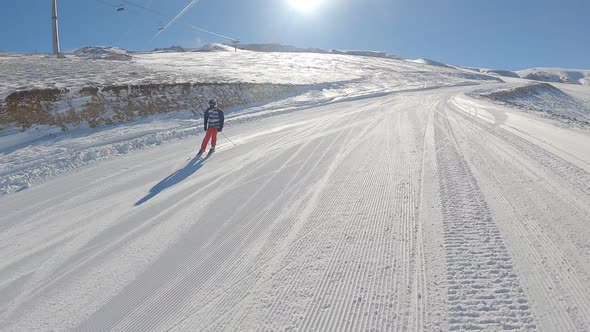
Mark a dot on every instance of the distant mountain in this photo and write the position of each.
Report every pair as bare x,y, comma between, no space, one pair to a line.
174,48
215,47
557,75
103,53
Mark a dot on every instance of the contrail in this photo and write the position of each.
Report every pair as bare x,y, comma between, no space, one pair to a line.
182,12
159,14
211,33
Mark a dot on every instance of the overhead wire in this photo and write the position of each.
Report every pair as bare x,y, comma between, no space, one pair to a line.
160,14
182,12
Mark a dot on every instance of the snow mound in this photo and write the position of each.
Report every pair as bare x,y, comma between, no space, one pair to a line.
557,75
215,47
429,62
543,99
103,53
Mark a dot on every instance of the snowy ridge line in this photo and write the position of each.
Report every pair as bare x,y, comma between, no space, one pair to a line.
554,275
557,75
484,291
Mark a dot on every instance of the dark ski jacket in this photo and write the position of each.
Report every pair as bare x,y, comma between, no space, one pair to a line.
214,118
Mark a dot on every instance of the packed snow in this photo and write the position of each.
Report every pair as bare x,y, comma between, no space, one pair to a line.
383,194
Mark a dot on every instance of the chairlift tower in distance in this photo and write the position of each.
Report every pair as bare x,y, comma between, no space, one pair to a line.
56,50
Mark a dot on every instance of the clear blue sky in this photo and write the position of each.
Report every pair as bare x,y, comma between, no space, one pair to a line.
503,34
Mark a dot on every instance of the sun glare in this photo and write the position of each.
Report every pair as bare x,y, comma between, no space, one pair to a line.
304,5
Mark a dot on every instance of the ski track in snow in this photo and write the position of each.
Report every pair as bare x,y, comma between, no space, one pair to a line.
484,291
405,212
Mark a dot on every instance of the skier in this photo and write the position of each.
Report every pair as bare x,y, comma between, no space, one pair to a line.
213,124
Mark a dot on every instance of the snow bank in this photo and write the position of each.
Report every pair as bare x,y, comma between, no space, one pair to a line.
556,75
108,105
104,53
39,153
541,98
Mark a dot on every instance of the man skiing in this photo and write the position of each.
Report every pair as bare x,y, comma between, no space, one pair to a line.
213,124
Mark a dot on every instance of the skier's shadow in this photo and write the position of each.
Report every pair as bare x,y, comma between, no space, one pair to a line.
174,178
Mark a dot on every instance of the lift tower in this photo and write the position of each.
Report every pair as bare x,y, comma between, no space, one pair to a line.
55,28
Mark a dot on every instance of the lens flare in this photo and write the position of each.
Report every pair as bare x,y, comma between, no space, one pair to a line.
304,5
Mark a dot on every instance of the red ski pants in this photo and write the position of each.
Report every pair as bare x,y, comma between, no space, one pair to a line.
211,134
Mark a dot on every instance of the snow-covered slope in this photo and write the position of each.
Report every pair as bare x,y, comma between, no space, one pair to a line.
93,93
550,75
542,98
429,62
557,75
79,91
42,71
499,72
214,47
377,194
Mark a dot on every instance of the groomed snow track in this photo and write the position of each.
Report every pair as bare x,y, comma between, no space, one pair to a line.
410,212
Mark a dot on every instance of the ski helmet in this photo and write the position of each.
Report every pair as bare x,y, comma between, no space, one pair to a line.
212,102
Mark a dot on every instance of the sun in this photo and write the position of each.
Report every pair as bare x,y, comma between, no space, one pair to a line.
304,5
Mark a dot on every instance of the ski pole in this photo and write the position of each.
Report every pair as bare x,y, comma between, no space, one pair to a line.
228,139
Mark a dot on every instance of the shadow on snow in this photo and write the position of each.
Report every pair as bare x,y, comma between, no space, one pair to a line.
174,178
